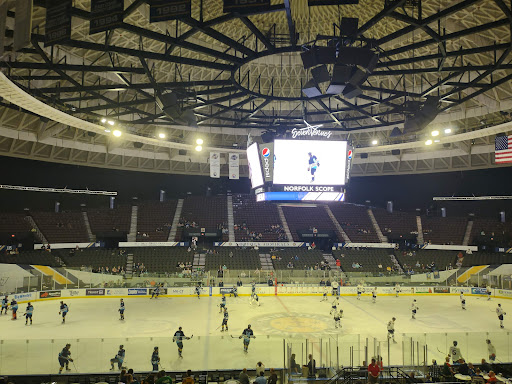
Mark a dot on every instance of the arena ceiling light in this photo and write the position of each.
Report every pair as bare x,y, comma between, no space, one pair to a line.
117,133
161,135
435,133
428,142
110,122
199,148
448,131
375,142
199,142
103,120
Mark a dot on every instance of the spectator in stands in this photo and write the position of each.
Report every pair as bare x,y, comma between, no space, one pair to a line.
485,367
243,378
260,367
150,379
189,379
260,379
239,282
373,372
290,265
221,284
293,364
435,371
447,371
463,367
122,376
471,370
492,377
311,367
162,378
272,379
322,283
134,380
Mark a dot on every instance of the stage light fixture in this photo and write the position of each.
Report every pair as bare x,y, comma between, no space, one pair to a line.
117,133
199,148
435,133
428,142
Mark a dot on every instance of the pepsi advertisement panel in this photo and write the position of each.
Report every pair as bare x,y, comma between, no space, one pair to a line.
310,162
267,161
253,159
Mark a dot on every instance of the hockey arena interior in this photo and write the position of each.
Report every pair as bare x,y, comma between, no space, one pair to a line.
255,191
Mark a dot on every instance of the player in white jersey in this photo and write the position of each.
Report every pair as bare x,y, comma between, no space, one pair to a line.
337,318
455,353
414,308
374,295
500,312
489,292
254,299
391,330
462,300
359,291
324,297
397,289
334,305
334,286
491,350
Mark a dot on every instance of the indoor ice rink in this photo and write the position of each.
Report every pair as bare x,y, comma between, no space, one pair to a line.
281,324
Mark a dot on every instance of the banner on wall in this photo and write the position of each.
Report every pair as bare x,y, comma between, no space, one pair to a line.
49,294
442,290
137,291
215,165
105,15
163,10
58,22
234,166
270,244
95,292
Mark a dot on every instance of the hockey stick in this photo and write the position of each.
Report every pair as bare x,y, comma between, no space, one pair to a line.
442,352
161,366
74,366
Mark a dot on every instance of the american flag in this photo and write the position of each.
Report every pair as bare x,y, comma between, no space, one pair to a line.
503,149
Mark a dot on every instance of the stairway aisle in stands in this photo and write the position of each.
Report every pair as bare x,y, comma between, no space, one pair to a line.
129,266
330,260
395,262
38,232
199,260
337,225
175,221
285,223
91,236
420,239
266,262
467,235
231,219
132,235
382,238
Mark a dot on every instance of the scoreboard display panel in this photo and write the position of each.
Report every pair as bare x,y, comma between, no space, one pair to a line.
255,173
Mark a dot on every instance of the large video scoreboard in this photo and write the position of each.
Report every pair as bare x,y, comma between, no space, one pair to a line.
299,169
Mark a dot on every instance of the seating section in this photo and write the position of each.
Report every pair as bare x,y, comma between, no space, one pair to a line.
443,230
154,220
301,258
256,221
355,222
210,213
95,258
304,218
441,259
233,258
104,220
62,227
161,259
489,229
397,224
365,260
486,258
36,257
13,223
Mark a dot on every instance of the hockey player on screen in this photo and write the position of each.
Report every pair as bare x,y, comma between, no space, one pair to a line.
5,304
121,310
462,300
491,350
28,313
63,310
455,352
313,165
391,330
500,312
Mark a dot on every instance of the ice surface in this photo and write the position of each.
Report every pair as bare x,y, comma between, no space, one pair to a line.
302,324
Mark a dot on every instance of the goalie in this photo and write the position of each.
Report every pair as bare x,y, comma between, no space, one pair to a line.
254,299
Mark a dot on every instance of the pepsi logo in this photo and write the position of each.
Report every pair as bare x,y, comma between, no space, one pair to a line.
349,154
265,152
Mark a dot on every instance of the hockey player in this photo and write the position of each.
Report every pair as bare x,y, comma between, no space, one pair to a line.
64,309
198,291
337,318
462,300
359,291
156,292
334,286
491,350
5,304
65,358
397,289
225,320
255,299
414,308
500,312
178,338
253,287
222,304
334,305
119,358
121,310
489,292
326,290
247,334
391,330
28,313
455,353
374,295
234,291
155,359
14,308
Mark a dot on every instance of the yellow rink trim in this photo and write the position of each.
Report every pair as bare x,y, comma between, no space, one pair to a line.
471,271
53,273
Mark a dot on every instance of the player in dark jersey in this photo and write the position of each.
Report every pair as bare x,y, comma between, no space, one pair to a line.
225,320
156,292
28,313
65,358
121,310
14,308
5,304
247,334
313,165
198,291
178,338
119,358
155,359
63,310
222,304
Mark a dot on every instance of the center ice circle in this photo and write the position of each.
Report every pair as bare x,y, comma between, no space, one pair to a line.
298,324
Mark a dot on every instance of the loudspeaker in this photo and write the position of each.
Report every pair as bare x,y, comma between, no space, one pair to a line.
311,89
187,118
395,152
137,144
350,91
340,76
423,116
349,26
395,132
318,55
168,103
309,58
321,74
182,152
363,57
358,77
364,155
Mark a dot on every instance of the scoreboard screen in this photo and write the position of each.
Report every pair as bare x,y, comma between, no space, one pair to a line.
310,162
255,173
